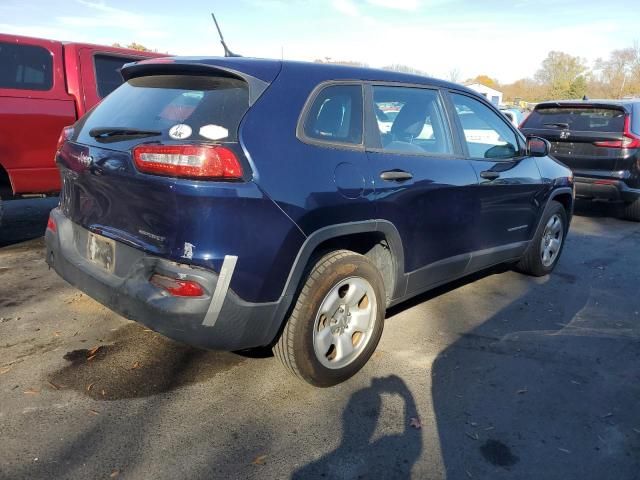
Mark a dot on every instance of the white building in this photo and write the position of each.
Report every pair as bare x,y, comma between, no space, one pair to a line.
494,96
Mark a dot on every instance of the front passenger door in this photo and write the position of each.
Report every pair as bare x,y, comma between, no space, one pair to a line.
509,181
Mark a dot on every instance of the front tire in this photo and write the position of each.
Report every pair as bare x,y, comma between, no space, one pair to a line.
544,252
337,320
632,210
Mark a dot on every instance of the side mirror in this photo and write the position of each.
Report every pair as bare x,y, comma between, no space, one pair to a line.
538,147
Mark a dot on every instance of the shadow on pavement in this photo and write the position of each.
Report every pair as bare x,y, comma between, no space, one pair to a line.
549,386
359,455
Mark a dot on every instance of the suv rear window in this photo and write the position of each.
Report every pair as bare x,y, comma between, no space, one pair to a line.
108,76
211,106
25,67
577,119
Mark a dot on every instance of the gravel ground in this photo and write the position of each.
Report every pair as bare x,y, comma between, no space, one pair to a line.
497,376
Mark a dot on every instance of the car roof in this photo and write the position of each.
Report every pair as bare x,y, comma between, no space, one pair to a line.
263,68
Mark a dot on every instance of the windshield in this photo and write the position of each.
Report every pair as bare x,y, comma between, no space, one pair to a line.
577,118
179,107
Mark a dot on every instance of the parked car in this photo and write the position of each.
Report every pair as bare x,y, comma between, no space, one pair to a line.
45,85
514,115
600,141
233,203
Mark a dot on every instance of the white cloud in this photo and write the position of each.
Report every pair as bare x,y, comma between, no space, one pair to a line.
408,5
346,7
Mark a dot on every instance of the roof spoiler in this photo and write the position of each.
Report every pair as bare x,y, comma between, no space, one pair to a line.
169,66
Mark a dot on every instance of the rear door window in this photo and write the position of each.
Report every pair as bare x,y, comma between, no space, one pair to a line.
108,76
486,133
210,106
586,119
336,115
25,67
411,120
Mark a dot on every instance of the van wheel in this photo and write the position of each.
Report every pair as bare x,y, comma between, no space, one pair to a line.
336,322
632,210
542,255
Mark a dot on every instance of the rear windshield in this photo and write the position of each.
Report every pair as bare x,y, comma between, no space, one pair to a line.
211,108
578,119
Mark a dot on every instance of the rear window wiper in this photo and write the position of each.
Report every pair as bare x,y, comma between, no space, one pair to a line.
105,132
557,124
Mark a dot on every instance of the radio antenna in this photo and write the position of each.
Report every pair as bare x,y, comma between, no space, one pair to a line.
227,52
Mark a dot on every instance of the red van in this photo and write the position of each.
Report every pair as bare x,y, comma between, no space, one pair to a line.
45,85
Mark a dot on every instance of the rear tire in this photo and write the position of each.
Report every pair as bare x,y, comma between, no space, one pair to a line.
632,210
544,251
337,320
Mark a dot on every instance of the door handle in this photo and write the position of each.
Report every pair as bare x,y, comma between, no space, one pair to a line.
396,175
489,175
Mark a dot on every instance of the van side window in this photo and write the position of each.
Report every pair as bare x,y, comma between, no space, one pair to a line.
411,120
336,115
25,67
486,133
108,76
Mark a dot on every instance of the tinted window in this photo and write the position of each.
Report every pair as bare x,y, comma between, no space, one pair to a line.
486,132
211,106
411,120
577,118
108,75
25,67
336,115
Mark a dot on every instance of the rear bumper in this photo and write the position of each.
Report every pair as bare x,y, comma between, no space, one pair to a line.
127,291
605,189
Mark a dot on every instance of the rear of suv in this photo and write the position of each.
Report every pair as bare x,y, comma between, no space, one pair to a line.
239,203
600,141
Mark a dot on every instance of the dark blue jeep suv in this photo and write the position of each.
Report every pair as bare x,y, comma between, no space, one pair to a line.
233,203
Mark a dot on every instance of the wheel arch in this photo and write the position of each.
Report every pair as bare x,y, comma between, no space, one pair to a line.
564,196
379,240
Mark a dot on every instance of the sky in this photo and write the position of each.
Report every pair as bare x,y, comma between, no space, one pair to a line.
504,39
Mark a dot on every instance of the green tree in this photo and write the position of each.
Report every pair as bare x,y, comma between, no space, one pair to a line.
578,87
559,72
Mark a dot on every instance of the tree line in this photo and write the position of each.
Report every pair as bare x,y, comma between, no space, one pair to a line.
563,76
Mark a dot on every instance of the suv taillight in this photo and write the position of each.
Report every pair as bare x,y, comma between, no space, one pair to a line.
65,135
630,140
192,161
177,288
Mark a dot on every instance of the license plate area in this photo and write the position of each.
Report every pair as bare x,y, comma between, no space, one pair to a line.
101,251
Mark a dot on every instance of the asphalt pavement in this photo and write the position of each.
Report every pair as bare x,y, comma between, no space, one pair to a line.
496,376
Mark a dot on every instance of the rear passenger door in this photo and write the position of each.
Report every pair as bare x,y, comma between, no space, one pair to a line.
510,188
422,184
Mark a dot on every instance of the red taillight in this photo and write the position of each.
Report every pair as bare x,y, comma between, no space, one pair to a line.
178,288
629,141
195,161
65,135
51,225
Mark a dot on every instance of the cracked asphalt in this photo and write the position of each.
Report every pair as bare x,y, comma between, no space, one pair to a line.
496,376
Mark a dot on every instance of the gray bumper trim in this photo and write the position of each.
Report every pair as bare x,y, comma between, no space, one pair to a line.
220,293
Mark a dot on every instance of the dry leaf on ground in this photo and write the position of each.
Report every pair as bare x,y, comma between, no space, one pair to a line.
260,460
